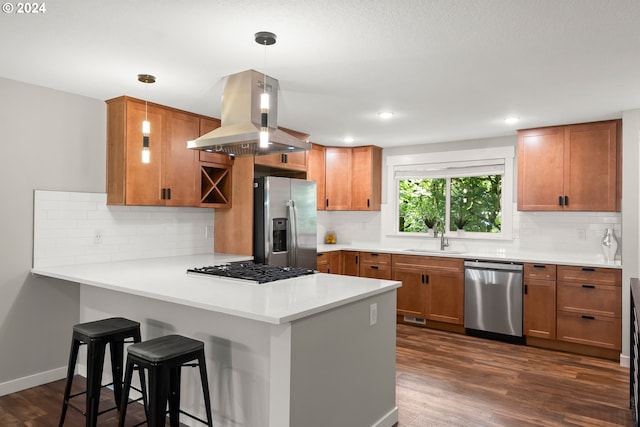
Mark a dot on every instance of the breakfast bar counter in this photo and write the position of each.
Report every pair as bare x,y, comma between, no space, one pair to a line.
310,351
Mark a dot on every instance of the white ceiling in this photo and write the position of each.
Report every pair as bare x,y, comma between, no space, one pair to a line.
449,69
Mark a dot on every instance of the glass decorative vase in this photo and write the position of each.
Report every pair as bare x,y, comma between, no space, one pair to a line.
609,244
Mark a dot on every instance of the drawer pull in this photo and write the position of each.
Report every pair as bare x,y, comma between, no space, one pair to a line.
374,254
588,269
539,266
584,316
589,286
374,267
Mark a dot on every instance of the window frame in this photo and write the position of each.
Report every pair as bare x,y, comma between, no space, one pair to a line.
486,156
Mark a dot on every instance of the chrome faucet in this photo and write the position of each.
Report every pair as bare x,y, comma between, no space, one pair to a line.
444,242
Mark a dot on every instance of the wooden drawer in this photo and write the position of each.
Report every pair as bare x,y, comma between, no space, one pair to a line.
599,331
375,271
590,275
600,300
375,258
323,258
540,271
432,263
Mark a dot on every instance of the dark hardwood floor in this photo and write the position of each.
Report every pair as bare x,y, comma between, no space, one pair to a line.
443,379
446,379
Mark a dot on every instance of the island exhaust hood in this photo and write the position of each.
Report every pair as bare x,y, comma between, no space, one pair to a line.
239,133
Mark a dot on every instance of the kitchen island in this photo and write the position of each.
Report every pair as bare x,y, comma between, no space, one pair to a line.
317,350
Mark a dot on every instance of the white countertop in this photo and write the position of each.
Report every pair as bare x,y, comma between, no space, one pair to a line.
276,302
512,255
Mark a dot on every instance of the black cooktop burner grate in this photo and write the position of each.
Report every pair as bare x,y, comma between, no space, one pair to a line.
258,273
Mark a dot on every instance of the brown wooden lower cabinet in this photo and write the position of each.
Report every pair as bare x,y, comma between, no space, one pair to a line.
539,301
588,329
570,308
589,306
329,262
375,265
539,308
350,263
432,287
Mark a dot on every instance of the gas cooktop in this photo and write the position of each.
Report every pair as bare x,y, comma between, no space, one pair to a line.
248,271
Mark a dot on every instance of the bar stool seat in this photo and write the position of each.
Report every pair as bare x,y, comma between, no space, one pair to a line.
115,331
164,358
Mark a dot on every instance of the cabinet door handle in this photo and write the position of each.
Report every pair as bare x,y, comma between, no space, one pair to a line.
368,203
423,279
539,266
526,289
566,200
426,279
164,194
560,201
588,269
584,316
589,286
168,193
326,202
356,259
284,158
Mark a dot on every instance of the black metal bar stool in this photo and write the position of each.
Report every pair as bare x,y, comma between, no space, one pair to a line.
163,358
96,335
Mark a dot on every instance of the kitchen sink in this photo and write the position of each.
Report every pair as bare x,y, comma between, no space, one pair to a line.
433,251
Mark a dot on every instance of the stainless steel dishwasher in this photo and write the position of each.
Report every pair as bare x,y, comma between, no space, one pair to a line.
493,299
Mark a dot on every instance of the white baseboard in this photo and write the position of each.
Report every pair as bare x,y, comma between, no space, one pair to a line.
34,380
625,361
389,420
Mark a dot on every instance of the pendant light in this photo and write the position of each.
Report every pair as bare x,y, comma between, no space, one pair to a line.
267,39
146,126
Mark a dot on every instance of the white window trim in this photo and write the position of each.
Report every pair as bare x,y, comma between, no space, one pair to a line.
475,155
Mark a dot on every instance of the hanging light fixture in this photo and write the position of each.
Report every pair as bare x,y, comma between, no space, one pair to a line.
264,38
146,126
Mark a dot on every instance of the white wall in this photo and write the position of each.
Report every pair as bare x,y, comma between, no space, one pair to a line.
630,213
49,140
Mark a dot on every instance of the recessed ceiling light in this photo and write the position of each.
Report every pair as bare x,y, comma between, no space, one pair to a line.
385,114
348,139
511,120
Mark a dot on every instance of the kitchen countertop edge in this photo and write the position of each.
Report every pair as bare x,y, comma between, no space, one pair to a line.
517,256
165,279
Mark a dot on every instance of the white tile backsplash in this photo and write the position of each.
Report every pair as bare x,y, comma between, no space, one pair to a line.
65,225
572,232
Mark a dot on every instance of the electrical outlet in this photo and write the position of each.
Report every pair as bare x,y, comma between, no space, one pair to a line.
97,236
582,234
373,314
208,231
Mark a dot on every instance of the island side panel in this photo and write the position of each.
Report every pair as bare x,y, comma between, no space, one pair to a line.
237,351
342,368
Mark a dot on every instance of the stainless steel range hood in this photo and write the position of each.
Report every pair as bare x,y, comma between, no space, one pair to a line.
239,133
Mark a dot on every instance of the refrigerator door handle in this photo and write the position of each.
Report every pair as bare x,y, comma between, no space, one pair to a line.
293,224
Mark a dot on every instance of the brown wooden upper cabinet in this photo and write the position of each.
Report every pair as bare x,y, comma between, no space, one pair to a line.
353,178
294,161
172,177
315,172
573,168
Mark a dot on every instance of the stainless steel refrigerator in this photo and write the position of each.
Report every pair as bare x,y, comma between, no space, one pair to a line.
284,222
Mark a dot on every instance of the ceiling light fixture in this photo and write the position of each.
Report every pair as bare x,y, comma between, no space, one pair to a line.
348,139
385,114
146,126
267,39
511,120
